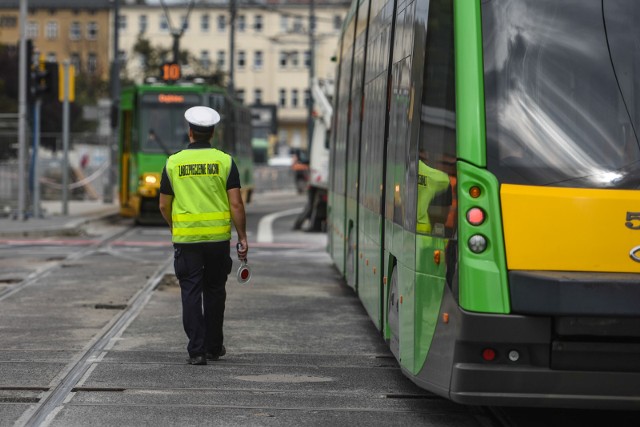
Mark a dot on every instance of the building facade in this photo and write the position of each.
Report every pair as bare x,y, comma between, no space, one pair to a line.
61,30
272,49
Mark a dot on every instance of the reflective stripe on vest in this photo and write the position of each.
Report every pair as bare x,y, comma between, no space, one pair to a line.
200,208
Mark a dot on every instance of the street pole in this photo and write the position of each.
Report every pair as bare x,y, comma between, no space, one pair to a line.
36,163
22,112
65,140
232,46
176,45
115,106
312,55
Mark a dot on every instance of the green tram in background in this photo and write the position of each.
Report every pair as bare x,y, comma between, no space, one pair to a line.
152,127
484,200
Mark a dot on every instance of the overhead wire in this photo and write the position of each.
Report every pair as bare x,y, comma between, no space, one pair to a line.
269,8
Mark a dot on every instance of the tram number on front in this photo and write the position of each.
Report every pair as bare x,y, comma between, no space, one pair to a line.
633,220
171,72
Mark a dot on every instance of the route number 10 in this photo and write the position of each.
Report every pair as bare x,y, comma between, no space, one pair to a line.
170,71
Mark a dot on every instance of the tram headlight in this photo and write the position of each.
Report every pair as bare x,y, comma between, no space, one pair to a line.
150,179
477,243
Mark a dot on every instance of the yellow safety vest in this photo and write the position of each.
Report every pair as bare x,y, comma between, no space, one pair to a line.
430,182
200,210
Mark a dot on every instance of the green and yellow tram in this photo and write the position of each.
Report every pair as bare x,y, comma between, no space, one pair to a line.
484,203
152,127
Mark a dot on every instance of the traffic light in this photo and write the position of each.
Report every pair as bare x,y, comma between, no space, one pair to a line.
44,77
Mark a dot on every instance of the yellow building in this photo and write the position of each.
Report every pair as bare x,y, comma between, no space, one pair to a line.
73,30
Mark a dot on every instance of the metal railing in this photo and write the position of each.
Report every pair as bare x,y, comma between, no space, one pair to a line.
90,181
270,178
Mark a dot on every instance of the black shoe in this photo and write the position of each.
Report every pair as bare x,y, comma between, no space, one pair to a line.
197,360
216,356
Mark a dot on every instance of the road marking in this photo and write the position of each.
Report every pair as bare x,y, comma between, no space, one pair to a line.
265,226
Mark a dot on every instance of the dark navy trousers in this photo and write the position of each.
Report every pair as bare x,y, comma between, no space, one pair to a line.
202,270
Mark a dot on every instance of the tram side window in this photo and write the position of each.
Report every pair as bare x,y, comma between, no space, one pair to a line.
436,208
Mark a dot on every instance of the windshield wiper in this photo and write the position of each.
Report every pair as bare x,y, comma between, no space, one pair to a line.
154,137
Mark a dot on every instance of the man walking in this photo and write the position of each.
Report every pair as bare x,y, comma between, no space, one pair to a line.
199,197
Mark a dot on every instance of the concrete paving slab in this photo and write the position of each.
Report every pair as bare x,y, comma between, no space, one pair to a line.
188,415
266,359
10,412
29,374
225,374
283,400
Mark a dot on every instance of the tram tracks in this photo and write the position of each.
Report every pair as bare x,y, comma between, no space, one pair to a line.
65,385
74,256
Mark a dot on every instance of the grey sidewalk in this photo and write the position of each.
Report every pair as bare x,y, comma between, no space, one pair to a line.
53,223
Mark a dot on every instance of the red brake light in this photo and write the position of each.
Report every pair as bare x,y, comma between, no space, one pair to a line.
475,216
488,354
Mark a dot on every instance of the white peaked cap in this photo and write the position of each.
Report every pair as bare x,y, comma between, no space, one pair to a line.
201,118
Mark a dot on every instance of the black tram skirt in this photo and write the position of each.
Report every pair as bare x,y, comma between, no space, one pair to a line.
547,361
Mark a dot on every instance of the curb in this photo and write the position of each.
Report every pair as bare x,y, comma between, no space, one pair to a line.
72,227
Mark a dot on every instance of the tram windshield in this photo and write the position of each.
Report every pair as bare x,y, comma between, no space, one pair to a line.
163,128
562,92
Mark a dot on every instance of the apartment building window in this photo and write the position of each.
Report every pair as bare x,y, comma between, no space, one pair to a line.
307,98
92,63
284,23
32,30
75,61
242,59
257,23
122,22
283,59
204,23
205,60
307,59
241,23
282,98
297,24
240,95
294,98
75,31
8,21
294,58
164,25
221,59
257,60
51,30
142,23
337,22
257,96
184,19
92,30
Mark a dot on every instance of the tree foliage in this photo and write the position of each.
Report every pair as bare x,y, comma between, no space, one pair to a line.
152,57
